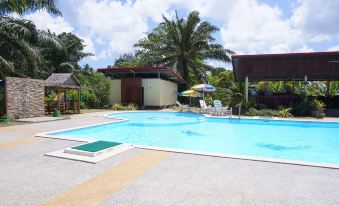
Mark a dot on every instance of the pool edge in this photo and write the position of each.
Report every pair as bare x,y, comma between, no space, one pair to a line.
211,154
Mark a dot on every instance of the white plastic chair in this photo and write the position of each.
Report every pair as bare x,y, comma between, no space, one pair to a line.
219,110
203,107
183,107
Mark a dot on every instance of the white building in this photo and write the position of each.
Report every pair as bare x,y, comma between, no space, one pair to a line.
151,87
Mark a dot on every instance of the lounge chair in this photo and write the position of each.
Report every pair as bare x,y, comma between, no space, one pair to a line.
219,110
203,107
183,107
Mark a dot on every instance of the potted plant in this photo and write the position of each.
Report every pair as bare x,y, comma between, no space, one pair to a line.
317,108
4,119
56,113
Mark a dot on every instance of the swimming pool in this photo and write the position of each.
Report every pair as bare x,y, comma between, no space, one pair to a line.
288,140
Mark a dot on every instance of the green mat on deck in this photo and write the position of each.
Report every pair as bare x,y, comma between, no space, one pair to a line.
96,146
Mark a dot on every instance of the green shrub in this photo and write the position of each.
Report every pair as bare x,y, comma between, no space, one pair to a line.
252,112
302,109
121,107
285,112
317,105
263,112
2,101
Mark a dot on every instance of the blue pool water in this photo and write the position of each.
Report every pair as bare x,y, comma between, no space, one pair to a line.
291,140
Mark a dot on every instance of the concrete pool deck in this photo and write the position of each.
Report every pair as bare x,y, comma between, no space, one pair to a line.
147,177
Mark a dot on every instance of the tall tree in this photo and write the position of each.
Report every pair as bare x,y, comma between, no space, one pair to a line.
185,44
66,60
127,60
20,47
22,6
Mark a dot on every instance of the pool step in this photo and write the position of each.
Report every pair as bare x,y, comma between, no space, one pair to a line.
93,149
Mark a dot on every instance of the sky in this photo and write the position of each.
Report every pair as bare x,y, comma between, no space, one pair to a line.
110,28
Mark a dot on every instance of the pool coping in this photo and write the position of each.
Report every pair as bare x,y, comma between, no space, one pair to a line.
192,152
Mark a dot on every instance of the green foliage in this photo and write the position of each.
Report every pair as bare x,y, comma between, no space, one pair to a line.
2,101
65,60
21,50
263,112
127,60
285,112
51,97
222,94
96,91
121,107
302,109
22,6
184,44
317,105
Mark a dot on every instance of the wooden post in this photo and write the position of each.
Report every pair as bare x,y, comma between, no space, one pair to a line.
328,85
246,89
305,87
78,104
59,100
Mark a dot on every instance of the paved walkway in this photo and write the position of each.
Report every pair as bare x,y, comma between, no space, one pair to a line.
146,177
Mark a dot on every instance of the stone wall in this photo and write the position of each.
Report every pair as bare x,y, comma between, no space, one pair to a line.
24,97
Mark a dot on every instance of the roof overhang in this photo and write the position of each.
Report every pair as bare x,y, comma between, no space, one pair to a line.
317,66
163,72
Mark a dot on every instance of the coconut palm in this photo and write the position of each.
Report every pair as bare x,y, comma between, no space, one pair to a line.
184,44
21,6
20,47
66,60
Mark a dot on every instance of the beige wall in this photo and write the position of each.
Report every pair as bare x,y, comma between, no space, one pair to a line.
115,96
151,92
158,92
168,93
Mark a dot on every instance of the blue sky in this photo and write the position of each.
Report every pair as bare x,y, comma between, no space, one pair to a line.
110,28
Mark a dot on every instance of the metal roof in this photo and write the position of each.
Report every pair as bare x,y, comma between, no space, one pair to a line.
289,66
163,72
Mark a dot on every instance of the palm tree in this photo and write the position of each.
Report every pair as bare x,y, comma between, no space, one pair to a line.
21,6
21,45
66,60
184,44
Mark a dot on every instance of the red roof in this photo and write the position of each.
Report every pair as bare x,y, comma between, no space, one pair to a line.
145,72
317,66
286,54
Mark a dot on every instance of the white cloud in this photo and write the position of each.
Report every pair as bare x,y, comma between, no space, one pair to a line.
259,28
43,20
111,27
333,48
317,18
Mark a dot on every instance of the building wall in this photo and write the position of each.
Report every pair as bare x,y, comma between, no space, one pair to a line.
168,93
24,97
115,91
157,92
151,92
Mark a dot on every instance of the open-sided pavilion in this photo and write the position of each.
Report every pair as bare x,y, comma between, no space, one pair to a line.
314,66
61,84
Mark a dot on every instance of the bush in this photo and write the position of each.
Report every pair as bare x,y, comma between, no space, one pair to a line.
2,101
285,112
263,112
317,105
121,107
302,109
96,89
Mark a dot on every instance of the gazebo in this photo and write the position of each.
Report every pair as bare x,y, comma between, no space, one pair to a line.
61,84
